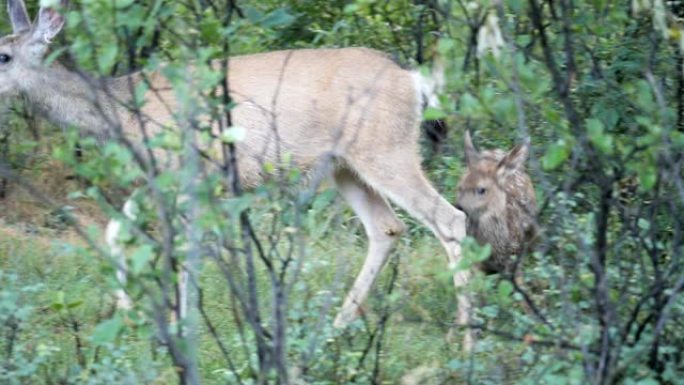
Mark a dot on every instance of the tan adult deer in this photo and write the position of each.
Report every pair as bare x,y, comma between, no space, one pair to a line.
353,105
498,198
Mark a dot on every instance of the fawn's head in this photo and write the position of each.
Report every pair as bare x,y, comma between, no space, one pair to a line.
492,178
24,50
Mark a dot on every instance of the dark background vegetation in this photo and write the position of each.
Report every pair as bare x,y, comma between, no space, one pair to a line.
598,87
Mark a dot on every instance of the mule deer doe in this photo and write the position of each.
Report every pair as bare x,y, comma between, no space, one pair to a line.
498,198
352,105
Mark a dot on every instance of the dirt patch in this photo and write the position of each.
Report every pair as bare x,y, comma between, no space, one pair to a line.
22,212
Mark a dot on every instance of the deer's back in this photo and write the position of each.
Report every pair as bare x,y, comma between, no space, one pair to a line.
303,105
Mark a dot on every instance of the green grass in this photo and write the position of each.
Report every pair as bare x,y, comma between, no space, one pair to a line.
422,305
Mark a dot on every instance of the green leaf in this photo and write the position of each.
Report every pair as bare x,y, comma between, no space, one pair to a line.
555,155
140,257
647,176
167,180
504,108
210,29
58,303
253,14
74,304
139,94
643,224
208,78
107,331
554,379
484,253
644,96
456,365
648,381
505,289
445,45
472,253
170,140
278,18
107,57
350,9
677,138
490,311
432,113
598,137
609,116
122,3
469,106
235,206
644,121
516,5
54,55
233,134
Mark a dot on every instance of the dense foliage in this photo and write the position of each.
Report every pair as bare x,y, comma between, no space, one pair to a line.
596,85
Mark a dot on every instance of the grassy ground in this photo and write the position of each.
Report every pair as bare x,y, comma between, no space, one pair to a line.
74,294
39,255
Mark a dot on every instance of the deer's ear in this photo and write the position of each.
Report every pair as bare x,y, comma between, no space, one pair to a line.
49,23
514,160
471,155
18,16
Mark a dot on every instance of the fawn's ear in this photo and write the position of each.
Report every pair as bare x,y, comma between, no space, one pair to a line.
471,154
49,23
514,160
18,16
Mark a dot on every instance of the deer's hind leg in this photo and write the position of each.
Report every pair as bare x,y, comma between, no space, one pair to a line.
116,248
382,227
399,177
113,233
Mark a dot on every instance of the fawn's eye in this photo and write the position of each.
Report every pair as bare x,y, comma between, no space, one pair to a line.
481,190
5,58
